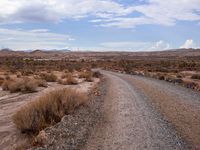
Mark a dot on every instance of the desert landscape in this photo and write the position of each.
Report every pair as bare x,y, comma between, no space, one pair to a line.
42,95
99,74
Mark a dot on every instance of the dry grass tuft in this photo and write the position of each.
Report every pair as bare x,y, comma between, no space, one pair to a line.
47,110
41,83
67,79
87,75
49,77
5,85
24,85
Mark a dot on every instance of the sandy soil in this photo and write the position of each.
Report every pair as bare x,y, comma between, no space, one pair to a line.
9,103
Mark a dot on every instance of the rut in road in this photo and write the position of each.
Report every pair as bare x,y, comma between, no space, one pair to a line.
130,122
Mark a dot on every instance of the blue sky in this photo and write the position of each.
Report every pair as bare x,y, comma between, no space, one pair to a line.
100,25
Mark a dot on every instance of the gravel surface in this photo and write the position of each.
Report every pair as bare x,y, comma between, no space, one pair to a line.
73,130
130,121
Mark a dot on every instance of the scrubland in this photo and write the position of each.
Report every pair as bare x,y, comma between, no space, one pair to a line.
65,78
53,88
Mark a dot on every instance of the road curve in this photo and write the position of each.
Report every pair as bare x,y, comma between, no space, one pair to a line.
138,114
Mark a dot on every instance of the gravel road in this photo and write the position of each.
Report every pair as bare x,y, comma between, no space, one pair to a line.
138,114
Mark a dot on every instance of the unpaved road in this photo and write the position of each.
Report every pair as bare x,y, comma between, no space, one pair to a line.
143,113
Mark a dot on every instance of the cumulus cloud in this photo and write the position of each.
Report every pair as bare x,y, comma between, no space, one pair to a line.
32,39
160,45
189,44
106,13
159,12
57,10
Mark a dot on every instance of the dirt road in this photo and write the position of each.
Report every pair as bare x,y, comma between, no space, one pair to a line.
143,113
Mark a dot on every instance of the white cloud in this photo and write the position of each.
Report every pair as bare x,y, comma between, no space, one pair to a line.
106,13
57,10
160,12
19,39
160,45
189,44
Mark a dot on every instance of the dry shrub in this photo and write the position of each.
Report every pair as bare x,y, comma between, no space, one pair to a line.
49,77
97,74
67,79
5,85
195,76
65,75
47,110
26,72
87,75
24,85
41,83
71,80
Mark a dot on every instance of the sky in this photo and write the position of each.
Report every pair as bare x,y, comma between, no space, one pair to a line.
100,25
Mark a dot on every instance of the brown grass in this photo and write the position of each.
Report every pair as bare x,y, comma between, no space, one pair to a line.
49,77
41,83
67,79
5,85
87,75
24,85
47,110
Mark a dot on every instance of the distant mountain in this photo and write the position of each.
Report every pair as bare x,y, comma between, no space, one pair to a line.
6,50
66,53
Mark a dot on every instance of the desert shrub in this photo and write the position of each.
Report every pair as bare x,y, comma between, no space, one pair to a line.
87,75
66,75
69,80
24,85
41,83
26,72
49,77
16,86
29,87
195,76
97,74
5,85
47,109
